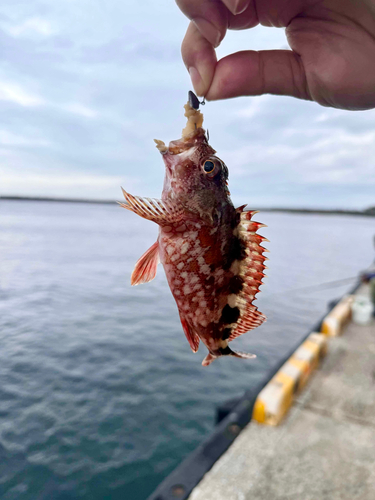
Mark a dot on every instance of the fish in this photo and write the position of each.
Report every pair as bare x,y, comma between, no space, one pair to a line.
210,250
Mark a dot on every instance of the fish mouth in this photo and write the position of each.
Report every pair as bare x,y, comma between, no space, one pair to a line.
184,144
192,134
181,149
175,156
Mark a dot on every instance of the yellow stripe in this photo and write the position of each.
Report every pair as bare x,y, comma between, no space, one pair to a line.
277,396
259,411
274,400
334,322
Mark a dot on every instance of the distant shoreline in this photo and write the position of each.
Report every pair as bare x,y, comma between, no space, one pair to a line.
62,200
370,212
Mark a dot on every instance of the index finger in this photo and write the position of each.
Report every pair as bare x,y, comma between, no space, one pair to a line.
200,59
209,16
210,20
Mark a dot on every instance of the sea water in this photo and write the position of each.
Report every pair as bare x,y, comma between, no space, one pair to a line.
100,394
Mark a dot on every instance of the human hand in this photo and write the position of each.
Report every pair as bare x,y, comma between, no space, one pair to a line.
331,61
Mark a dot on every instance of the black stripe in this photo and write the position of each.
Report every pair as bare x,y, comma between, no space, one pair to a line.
230,314
236,284
235,250
225,351
226,333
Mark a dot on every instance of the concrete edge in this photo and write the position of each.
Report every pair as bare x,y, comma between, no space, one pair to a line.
276,398
290,375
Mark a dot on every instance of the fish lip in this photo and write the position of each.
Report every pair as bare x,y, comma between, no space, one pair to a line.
185,143
169,169
172,165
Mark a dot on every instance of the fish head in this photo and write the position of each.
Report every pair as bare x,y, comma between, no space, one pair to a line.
195,177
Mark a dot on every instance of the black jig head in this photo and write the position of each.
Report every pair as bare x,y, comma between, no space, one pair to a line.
194,101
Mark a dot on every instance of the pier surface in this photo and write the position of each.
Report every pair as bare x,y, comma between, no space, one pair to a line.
324,449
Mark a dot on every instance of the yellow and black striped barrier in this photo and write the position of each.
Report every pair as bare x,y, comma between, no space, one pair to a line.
277,396
337,318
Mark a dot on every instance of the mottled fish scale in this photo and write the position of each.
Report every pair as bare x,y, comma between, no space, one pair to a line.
211,252
188,259
209,296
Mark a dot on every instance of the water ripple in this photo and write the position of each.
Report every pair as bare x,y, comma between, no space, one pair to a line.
100,394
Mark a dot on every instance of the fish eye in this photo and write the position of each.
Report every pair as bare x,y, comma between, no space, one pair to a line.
209,166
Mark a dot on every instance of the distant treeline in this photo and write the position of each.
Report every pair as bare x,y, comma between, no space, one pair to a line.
60,200
369,211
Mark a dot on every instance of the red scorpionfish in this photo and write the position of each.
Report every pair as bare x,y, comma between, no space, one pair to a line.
210,250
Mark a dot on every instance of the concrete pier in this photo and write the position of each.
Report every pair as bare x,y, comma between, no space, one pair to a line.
324,449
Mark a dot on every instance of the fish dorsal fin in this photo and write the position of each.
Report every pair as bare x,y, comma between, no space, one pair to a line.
145,268
191,336
251,271
161,212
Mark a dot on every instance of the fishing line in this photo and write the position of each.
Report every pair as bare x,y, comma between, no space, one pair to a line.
321,286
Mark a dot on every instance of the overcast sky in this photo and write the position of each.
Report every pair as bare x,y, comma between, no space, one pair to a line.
85,87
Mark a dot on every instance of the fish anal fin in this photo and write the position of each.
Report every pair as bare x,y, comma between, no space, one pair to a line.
159,211
145,268
191,336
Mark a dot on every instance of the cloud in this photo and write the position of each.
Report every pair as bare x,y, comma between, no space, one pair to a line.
84,89
8,139
14,92
80,109
29,28
293,149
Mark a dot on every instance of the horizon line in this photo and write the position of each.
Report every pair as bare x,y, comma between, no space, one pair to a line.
370,211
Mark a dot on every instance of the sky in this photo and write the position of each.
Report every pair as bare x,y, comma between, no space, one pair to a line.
85,87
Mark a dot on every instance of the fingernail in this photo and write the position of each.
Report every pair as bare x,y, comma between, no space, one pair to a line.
208,30
240,6
196,80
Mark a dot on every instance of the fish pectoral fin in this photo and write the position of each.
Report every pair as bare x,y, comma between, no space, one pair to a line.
159,211
145,268
191,336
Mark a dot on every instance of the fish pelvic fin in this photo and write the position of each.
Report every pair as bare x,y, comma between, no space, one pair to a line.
159,211
191,336
227,351
145,268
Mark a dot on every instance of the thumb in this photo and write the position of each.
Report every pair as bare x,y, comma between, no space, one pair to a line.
250,72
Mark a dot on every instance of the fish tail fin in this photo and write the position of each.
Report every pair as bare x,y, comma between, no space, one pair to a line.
243,355
208,359
227,351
